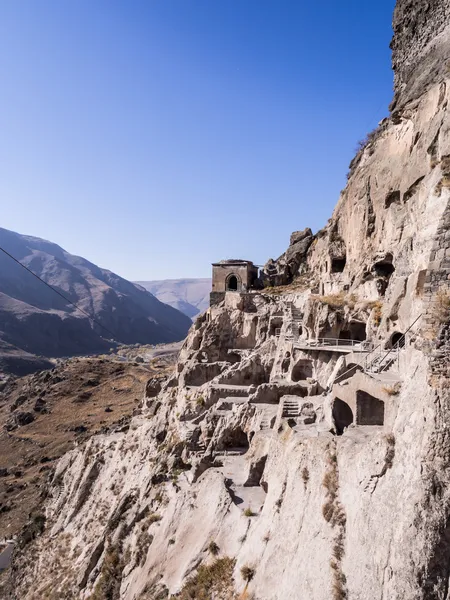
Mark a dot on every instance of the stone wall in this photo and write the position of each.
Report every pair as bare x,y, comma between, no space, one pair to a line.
221,272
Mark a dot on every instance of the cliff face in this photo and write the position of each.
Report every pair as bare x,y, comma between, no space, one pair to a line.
420,47
301,448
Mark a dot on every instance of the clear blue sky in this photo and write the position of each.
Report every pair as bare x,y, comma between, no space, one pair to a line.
154,137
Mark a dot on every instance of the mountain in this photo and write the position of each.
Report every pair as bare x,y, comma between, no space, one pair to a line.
34,320
190,296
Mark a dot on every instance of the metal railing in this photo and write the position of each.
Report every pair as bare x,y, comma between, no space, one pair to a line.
335,342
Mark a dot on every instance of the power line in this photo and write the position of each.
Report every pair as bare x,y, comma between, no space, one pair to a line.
115,338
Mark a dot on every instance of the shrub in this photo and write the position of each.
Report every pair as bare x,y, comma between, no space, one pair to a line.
213,548
330,483
249,513
441,307
210,581
154,518
392,390
247,573
305,475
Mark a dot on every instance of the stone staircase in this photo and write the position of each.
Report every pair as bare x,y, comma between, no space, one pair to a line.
296,321
195,445
265,423
290,408
382,363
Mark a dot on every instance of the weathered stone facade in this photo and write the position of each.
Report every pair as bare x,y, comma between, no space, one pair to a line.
232,276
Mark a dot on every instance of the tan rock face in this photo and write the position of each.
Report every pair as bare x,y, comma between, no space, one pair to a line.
305,433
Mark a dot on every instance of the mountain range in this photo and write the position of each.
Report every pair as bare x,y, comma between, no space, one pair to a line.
36,321
190,296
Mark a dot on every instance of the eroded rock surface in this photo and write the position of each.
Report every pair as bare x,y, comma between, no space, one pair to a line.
303,439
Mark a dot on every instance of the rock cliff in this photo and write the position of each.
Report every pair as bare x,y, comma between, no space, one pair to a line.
301,449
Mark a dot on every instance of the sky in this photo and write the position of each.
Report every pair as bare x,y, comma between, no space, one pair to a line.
154,137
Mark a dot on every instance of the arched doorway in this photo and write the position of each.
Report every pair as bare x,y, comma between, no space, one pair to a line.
233,283
342,415
397,340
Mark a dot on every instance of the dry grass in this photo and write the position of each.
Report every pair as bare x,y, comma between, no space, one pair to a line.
337,300
305,476
441,307
390,454
108,584
210,581
301,283
392,390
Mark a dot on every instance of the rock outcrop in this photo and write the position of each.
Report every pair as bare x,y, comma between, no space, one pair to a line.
283,270
301,448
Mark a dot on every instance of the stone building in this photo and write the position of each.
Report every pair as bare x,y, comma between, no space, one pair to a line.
232,275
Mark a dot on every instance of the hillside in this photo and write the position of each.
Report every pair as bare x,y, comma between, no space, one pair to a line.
190,296
36,321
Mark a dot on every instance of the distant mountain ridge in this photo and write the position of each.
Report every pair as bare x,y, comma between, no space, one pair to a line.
190,296
36,321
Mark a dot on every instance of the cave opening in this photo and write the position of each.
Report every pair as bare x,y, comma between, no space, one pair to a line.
342,415
397,340
338,264
384,268
236,438
302,370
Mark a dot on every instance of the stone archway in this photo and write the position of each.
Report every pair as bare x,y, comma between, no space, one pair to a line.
397,340
233,283
342,415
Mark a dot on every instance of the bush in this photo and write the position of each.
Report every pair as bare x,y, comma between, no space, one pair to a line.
392,390
249,513
305,475
247,573
210,581
213,548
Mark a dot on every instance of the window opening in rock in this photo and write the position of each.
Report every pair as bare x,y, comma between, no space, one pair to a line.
342,415
369,410
384,268
302,370
236,438
338,264
392,198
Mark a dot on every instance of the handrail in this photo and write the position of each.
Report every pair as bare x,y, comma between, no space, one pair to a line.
397,346
367,366
336,342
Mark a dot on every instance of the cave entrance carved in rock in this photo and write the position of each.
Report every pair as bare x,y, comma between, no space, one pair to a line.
342,415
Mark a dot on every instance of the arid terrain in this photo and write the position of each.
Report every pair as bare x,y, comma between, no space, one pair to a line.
44,415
